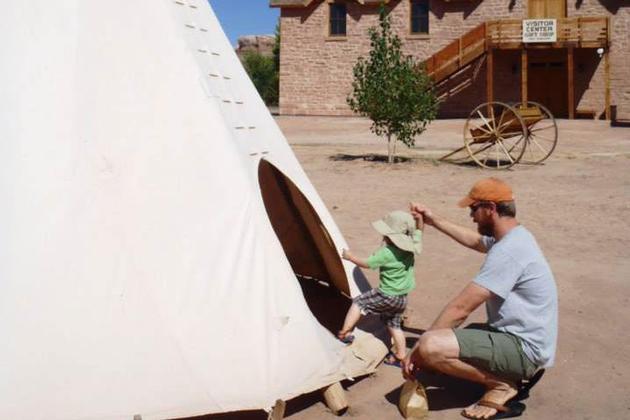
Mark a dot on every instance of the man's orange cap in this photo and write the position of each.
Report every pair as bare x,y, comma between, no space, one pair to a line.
489,189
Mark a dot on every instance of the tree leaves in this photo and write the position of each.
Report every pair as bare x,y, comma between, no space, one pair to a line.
264,74
264,71
392,89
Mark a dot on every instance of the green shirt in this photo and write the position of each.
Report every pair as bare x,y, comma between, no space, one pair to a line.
395,268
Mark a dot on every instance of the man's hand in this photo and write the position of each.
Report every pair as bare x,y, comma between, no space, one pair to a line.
420,211
410,366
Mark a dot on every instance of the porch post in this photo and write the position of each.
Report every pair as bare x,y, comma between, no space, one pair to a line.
524,76
570,79
607,77
490,76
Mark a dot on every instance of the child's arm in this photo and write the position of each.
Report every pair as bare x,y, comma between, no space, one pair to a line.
419,217
417,235
347,255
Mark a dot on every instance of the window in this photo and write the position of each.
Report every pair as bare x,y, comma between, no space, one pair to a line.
419,16
337,19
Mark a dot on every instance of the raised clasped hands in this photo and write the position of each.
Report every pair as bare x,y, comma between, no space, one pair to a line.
419,210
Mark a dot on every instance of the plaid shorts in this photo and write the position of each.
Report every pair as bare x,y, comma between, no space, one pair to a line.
390,308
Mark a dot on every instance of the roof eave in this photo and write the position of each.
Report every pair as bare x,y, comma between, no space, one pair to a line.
290,3
305,3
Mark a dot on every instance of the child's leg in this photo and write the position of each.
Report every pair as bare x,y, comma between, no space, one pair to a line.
394,326
400,344
352,317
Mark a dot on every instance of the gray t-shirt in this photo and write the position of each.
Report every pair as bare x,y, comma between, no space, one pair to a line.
524,300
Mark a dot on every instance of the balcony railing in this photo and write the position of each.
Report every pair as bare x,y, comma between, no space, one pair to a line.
581,32
585,32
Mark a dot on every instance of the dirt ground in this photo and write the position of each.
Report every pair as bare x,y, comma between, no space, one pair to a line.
577,205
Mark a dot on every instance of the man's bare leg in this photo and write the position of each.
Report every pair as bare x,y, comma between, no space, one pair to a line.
439,350
352,317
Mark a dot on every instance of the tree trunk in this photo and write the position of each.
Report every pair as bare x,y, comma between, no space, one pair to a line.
395,143
389,149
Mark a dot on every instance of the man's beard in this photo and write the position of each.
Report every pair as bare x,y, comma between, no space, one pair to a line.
485,229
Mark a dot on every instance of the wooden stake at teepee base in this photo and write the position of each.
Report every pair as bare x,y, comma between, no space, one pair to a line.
335,398
277,411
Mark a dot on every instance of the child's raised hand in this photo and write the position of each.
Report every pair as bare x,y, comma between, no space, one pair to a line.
419,221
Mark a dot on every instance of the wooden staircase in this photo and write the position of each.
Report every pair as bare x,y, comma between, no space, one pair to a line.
458,54
455,66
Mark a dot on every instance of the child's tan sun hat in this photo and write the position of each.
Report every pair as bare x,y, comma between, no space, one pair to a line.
399,227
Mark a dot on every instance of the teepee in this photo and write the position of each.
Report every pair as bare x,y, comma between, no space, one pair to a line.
162,253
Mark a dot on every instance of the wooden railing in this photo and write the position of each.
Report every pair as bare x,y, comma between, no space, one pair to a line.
457,54
585,32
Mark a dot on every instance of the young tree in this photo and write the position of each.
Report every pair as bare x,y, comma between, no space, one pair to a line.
392,89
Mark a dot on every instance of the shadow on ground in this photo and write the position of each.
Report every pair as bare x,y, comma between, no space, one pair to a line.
370,157
443,392
294,405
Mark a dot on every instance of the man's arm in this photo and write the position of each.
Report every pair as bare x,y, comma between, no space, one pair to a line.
467,237
453,315
458,309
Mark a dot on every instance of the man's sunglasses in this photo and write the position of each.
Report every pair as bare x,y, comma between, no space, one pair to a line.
473,207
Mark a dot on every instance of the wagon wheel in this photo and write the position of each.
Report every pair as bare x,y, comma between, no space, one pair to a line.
494,135
542,134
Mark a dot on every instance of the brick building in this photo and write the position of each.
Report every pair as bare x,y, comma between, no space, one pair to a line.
474,50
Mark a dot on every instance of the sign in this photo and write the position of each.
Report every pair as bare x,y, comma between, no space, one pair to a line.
539,30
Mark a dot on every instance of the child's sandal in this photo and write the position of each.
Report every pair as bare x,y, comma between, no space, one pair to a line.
392,360
346,338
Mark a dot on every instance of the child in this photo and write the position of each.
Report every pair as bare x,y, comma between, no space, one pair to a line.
402,237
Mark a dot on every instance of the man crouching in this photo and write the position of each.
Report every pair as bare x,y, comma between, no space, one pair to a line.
518,288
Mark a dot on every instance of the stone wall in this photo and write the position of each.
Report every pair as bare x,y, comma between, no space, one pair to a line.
316,70
590,71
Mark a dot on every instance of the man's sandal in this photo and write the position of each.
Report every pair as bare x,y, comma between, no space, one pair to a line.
510,409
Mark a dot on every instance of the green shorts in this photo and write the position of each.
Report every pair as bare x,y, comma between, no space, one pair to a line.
496,352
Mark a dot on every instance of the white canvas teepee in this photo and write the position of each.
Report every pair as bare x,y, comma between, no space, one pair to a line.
153,220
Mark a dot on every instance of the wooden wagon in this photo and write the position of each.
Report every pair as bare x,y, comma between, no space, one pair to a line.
498,135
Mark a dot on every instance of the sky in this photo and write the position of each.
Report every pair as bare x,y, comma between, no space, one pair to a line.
245,17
